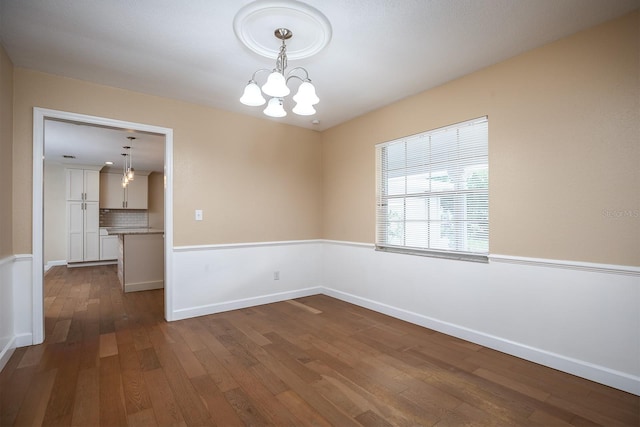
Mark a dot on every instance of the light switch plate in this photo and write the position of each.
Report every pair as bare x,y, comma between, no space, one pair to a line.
198,214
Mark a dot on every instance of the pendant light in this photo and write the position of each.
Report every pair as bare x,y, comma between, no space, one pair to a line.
125,178
131,173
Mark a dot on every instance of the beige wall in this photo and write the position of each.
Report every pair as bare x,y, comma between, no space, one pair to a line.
156,200
6,169
564,154
55,213
564,143
255,180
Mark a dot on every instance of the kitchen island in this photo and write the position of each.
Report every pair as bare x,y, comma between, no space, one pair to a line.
140,258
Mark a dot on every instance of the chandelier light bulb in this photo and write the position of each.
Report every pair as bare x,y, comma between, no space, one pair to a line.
131,174
304,109
276,85
275,108
306,94
252,96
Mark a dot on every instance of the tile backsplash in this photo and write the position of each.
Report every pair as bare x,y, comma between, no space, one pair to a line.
134,218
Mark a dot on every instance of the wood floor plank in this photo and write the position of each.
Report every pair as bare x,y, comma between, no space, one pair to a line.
13,389
108,345
186,397
112,410
86,405
370,418
136,394
512,384
304,307
35,402
32,356
145,418
217,371
220,410
306,414
165,407
248,413
60,405
60,331
148,359
110,359
334,415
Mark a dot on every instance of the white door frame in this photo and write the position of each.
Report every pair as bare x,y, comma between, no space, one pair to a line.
39,116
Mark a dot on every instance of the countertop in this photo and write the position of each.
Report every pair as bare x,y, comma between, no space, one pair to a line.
111,231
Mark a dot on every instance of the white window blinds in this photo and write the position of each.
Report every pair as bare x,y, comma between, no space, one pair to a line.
432,192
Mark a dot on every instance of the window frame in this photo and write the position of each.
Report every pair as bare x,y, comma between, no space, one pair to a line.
383,196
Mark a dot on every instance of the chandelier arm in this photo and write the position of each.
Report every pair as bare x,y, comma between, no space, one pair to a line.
306,74
295,77
253,77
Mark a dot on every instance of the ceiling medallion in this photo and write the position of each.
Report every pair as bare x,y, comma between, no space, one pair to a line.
254,25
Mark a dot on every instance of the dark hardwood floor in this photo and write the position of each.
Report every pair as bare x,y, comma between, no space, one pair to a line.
110,359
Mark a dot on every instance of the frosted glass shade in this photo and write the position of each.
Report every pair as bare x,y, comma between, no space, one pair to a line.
275,108
252,95
304,109
276,85
306,94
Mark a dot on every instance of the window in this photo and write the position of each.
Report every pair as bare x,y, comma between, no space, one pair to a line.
432,192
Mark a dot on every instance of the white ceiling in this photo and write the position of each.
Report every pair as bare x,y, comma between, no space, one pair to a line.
380,51
94,145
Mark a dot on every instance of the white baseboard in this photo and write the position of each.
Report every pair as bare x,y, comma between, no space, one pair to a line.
6,352
23,340
144,286
244,303
91,263
56,263
600,374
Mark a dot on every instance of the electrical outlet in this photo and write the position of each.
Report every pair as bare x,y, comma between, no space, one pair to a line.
276,275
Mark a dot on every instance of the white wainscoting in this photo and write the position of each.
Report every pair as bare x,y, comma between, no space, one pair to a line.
7,337
580,318
576,317
23,299
15,305
215,278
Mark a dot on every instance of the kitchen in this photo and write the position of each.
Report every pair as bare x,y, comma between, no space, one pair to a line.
90,216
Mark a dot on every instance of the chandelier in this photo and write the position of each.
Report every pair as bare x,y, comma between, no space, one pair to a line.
276,86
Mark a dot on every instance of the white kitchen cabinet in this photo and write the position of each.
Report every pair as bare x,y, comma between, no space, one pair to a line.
137,193
108,247
83,231
83,184
83,214
113,196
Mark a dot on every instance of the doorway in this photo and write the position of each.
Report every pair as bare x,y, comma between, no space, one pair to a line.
40,115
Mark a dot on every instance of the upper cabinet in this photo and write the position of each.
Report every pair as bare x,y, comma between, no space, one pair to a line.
113,196
137,193
83,185
111,191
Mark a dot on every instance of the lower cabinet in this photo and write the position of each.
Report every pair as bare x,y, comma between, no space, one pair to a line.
108,247
141,261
